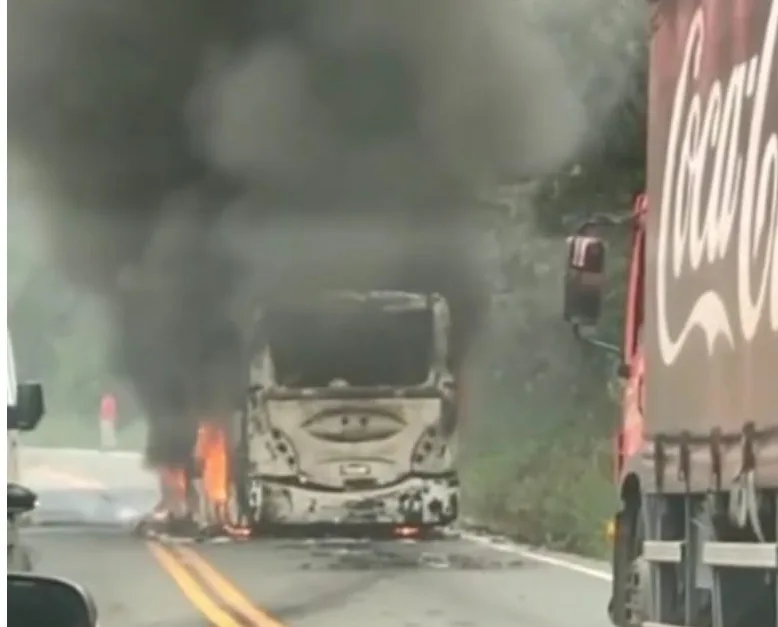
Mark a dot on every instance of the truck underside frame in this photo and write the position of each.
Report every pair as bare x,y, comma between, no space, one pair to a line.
702,571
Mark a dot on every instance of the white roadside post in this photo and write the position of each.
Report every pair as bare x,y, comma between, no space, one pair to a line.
107,434
107,418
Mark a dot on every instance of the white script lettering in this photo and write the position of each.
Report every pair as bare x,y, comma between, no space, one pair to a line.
719,175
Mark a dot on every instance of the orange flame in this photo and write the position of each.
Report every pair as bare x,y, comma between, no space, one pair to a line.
211,452
211,455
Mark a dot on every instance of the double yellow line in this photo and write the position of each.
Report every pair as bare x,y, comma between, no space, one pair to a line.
215,596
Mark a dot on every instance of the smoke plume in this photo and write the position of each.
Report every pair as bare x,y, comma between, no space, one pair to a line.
204,154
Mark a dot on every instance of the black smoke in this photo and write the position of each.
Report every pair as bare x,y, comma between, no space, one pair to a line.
203,153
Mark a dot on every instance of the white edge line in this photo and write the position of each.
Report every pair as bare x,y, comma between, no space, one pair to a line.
537,557
79,451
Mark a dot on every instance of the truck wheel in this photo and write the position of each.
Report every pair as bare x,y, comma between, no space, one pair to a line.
630,601
637,592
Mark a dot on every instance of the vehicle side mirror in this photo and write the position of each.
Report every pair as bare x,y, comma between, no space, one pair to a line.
584,279
29,408
37,600
20,499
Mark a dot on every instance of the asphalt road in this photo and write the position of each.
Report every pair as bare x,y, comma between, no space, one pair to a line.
88,501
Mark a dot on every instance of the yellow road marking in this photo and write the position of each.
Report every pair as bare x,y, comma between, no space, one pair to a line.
191,589
226,589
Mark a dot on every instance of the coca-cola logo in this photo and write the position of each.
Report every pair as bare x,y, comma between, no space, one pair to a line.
719,202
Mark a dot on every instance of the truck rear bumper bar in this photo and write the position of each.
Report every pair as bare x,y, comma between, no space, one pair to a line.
741,555
717,554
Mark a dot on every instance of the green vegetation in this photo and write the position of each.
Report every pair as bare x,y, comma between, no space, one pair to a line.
545,407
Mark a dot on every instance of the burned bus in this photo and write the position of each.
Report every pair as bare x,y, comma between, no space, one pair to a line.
352,414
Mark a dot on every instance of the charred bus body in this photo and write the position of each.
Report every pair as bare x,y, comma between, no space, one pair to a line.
352,414
697,448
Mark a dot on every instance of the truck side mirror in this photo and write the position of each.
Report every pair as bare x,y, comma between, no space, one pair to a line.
29,408
584,279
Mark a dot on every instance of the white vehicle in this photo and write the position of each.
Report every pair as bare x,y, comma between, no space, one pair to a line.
13,433
352,416
24,412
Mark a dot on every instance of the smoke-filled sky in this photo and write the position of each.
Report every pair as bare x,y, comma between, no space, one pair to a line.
200,153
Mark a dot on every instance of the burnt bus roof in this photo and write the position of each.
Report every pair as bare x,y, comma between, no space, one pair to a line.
712,239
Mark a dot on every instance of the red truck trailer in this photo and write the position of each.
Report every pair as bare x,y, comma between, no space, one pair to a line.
697,453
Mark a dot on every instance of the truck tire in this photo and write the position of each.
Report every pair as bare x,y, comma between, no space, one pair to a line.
630,599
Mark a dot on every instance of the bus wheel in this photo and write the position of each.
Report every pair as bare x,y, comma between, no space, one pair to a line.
238,511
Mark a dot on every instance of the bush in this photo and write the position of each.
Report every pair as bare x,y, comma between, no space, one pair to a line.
544,494
537,457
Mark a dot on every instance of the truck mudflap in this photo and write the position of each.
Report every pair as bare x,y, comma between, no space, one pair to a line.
416,501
